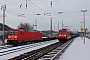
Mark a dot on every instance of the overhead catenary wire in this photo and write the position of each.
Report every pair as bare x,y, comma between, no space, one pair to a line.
27,8
15,13
29,0
51,3
51,6
20,6
26,12
29,19
37,6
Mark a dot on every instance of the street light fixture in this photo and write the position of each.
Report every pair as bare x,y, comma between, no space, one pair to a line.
60,12
38,14
21,15
84,22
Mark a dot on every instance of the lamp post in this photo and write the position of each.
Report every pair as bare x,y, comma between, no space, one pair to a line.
49,14
62,20
84,22
81,27
3,8
62,24
36,24
81,24
58,26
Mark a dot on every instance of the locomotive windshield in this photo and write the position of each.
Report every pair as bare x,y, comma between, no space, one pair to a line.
62,32
13,32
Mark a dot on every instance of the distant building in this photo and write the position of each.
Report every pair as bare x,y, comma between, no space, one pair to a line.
6,28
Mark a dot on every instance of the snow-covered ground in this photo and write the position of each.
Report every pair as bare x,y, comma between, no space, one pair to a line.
11,55
2,40
77,50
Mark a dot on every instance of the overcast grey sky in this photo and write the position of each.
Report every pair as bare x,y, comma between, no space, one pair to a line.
71,15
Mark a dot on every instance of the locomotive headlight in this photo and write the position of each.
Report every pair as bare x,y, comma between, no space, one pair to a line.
64,35
59,35
9,36
15,36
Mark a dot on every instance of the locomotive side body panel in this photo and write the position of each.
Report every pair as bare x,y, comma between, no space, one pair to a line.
32,36
21,36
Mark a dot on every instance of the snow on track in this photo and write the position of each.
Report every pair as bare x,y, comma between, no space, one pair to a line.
38,45
5,47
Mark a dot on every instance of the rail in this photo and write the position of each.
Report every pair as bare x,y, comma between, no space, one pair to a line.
66,44
36,53
56,52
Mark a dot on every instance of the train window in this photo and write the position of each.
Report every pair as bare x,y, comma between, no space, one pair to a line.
62,32
11,32
15,32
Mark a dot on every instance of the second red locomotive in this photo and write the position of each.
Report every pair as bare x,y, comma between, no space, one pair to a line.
20,36
63,35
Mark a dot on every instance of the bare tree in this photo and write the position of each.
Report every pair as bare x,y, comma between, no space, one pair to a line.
26,26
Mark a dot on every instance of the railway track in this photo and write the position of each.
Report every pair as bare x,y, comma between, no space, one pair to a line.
35,54
56,52
16,51
5,47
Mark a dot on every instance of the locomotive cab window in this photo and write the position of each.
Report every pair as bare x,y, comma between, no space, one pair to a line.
11,32
15,32
62,32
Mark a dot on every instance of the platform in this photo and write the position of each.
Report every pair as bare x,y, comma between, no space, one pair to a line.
77,50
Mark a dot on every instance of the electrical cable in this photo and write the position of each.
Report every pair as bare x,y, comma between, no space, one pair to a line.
37,6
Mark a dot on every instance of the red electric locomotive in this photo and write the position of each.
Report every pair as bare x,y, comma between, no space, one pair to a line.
20,36
63,35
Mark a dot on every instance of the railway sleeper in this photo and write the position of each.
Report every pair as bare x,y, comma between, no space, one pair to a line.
36,53
58,52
